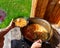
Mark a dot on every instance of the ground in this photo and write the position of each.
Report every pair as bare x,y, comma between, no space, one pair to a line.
14,9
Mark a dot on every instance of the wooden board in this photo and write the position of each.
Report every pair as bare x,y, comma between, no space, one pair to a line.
53,12
49,9
33,8
41,8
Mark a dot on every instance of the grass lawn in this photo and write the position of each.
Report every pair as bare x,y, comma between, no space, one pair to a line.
14,9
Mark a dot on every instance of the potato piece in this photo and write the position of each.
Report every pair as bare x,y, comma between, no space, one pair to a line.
21,22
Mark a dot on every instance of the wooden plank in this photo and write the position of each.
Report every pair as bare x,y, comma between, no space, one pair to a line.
41,8
55,9
53,16
50,7
57,17
52,11
38,8
33,8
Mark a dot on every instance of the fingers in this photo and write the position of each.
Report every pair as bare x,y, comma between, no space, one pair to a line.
37,44
39,41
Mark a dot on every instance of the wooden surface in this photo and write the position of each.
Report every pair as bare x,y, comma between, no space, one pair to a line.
33,8
47,9
38,8
53,11
41,8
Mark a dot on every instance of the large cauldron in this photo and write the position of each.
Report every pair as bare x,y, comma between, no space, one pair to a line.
31,35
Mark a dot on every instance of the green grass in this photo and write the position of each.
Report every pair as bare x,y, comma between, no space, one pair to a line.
14,9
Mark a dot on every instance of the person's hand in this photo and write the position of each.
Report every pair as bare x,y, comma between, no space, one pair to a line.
37,44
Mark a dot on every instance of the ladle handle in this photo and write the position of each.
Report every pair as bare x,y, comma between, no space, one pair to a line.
46,45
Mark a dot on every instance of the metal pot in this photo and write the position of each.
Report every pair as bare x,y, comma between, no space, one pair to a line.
39,21
29,35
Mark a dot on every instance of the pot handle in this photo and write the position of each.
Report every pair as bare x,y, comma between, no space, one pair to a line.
46,45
